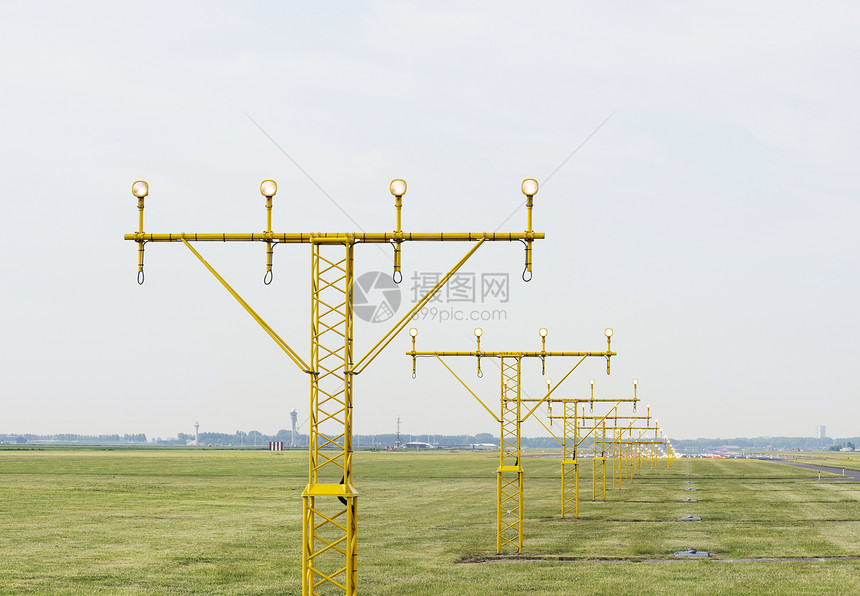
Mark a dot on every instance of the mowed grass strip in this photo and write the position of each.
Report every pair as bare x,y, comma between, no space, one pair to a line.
189,521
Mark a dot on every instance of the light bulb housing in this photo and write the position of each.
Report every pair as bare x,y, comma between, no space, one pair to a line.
543,332
529,187
608,332
268,188
478,332
397,187
140,189
635,382
413,332
591,382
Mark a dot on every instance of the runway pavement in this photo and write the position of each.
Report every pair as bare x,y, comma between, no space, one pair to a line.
850,475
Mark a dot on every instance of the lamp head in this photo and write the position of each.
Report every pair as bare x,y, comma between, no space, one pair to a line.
397,187
268,188
635,382
413,332
478,332
140,189
591,382
608,332
529,187
543,331
548,382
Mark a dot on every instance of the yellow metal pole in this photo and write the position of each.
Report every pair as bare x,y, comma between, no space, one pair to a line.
140,243
398,275
269,246
576,462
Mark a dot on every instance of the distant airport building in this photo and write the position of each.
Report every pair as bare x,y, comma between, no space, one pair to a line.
417,445
821,432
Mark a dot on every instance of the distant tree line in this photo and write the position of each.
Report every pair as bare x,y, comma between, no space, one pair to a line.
703,445
255,438
74,438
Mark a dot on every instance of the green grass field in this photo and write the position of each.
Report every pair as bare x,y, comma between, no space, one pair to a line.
187,521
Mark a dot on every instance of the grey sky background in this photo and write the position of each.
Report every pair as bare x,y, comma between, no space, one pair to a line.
712,221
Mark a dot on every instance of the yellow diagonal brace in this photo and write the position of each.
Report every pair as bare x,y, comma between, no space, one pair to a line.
550,392
401,324
469,390
549,431
281,343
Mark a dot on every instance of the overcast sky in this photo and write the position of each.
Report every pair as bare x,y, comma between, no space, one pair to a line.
710,217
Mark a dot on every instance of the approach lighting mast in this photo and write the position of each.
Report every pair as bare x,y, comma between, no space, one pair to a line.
329,502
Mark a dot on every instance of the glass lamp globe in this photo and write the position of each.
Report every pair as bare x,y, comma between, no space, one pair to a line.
268,188
397,187
140,189
529,187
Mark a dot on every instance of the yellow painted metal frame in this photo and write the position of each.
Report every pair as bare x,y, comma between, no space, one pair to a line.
570,462
509,475
330,500
573,439
598,464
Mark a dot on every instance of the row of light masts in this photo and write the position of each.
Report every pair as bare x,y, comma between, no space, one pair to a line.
543,332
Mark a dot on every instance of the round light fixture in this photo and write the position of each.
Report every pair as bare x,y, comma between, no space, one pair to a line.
140,189
608,332
543,331
635,382
397,187
548,382
268,188
478,332
591,382
529,187
413,332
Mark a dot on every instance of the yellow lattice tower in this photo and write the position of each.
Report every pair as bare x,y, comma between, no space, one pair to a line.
330,500
509,475
616,459
569,462
598,463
